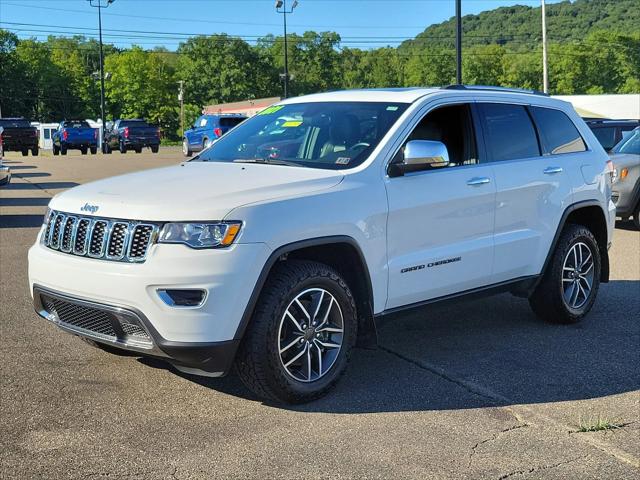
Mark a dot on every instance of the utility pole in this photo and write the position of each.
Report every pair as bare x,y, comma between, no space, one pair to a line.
545,63
281,7
459,42
99,5
181,98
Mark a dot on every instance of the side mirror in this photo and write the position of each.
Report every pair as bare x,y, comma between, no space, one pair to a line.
420,155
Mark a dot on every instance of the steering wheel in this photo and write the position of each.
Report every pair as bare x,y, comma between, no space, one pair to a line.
361,145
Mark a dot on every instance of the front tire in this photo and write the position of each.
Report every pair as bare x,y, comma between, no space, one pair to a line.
63,150
186,151
35,151
83,150
56,150
122,147
636,216
303,329
93,150
155,148
25,152
570,283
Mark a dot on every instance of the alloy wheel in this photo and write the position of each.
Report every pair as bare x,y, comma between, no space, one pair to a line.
310,335
577,275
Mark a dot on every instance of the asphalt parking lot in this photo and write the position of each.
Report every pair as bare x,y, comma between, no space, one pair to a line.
477,389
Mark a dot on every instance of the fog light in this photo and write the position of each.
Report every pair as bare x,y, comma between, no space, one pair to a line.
182,298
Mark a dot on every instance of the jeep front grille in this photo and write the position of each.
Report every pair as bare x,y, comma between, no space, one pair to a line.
102,238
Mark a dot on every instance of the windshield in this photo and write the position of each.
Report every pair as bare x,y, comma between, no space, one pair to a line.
330,135
14,123
631,144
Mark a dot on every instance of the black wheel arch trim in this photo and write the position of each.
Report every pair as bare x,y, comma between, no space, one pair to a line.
604,252
367,336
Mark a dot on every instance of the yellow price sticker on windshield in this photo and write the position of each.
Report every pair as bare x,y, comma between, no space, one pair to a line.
292,123
270,110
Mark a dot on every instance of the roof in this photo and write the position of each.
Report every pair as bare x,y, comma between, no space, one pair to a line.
395,95
408,95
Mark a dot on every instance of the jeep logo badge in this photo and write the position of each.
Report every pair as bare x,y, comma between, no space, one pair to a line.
89,208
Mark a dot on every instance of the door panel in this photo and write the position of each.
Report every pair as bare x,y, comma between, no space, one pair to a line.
532,190
440,233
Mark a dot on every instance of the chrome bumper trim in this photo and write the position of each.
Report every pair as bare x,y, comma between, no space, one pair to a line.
121,313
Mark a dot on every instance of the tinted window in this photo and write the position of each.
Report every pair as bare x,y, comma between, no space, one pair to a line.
230,122
18,123
606,136
47,134
76,124
509,133
133,123
559,134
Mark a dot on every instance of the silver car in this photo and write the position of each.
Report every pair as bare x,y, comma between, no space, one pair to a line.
626,188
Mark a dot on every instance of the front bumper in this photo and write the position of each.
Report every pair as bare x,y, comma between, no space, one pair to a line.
187,336
130,330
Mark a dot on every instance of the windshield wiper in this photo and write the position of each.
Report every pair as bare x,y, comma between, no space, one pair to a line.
269,161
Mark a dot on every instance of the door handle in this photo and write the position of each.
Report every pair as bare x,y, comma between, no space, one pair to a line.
552,170
478,181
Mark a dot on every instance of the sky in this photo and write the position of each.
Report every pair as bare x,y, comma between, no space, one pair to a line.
360,23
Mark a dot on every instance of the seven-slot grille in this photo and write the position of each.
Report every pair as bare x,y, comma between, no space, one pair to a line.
102,238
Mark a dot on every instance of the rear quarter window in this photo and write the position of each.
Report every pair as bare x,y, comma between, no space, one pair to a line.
509,132
558,132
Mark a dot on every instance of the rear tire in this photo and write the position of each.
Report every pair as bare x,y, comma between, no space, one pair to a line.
25,152
570,283
138,150
122,147
93,150
63,150
35,151
155,148
107,149
283,357
56,151
83,150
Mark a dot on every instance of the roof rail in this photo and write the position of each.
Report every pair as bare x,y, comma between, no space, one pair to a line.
490,88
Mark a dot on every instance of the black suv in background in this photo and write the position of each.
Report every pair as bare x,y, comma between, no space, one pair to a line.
610,132
19,136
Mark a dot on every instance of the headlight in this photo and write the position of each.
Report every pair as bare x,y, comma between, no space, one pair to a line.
200,235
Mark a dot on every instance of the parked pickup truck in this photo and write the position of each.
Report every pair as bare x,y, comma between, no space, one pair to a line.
207,128
19,136
132,134
75,135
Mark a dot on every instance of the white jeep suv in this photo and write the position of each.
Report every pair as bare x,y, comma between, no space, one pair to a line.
276,253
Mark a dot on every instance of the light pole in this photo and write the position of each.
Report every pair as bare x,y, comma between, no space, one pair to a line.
545,64
281,7
459,42
100,4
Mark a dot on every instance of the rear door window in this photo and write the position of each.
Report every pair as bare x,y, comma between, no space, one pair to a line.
559,134
509,132
17,123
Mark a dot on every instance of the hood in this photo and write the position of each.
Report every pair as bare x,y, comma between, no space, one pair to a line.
193,191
